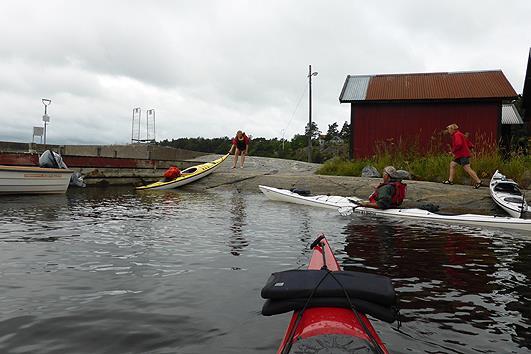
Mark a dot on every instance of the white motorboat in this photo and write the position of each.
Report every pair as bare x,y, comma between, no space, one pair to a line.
347,205
33,180
506,193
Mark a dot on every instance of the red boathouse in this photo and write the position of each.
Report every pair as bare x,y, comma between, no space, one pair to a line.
413,108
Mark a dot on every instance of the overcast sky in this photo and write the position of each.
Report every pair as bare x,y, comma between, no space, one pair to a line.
209,68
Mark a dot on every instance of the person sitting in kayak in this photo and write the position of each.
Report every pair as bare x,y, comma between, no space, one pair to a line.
171,173
388,194
240,146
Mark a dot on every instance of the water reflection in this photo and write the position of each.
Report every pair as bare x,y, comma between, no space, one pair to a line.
41,207
237,241
518,278
142,267
303,220
447,280
29,218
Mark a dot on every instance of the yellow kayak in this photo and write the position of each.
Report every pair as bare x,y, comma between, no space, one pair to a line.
188,175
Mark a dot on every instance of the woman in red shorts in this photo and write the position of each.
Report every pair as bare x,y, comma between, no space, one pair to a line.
461,151
240,146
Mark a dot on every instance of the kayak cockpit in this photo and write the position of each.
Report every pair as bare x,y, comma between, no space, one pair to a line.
332,343
511,188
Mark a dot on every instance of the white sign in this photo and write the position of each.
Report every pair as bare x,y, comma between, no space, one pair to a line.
38,131
46,118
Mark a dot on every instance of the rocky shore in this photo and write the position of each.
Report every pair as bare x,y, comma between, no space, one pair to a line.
295,174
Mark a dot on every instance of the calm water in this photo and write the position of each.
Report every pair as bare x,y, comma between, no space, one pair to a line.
115,271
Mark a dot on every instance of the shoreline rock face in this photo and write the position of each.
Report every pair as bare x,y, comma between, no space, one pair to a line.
288,174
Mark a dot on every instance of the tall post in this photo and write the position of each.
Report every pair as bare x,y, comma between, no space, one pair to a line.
133,127
150,115
45,122
310,115
139,119
154,127
45,117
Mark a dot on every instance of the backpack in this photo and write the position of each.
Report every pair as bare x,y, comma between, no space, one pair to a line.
172,173
400,193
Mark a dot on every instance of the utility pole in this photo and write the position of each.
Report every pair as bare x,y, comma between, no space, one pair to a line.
310,74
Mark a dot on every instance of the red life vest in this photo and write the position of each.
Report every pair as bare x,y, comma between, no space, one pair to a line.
172,173
398,195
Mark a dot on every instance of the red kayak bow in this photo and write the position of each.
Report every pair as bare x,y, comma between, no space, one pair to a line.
327,304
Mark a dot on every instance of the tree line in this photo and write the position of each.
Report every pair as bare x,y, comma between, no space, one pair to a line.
324,146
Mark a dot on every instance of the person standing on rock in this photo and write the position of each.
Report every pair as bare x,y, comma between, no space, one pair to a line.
240,147
461,151
388,194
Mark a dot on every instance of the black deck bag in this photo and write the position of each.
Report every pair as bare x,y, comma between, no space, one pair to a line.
303,192
275,307
297,284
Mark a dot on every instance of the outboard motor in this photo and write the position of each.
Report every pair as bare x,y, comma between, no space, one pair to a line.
77,180
51,159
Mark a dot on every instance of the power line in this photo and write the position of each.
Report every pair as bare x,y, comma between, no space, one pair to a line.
295,110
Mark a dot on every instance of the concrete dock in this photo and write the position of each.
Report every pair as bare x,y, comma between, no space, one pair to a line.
104,164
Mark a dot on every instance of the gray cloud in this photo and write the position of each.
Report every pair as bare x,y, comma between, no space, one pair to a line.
212,67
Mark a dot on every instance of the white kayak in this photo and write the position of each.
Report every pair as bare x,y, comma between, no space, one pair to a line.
506,193
347,205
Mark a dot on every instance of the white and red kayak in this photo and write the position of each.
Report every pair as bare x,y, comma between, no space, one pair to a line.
329,306
347,205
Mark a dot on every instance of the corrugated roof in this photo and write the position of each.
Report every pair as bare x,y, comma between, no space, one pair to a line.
429,86
510,115
356,87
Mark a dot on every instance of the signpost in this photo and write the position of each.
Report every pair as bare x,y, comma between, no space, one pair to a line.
45,117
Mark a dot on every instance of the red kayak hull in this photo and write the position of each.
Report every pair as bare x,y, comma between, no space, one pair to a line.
318,321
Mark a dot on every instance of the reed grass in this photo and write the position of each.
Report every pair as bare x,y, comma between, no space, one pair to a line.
430,164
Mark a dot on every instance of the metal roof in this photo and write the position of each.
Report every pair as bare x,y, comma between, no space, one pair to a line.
510,115
427,86
356,87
